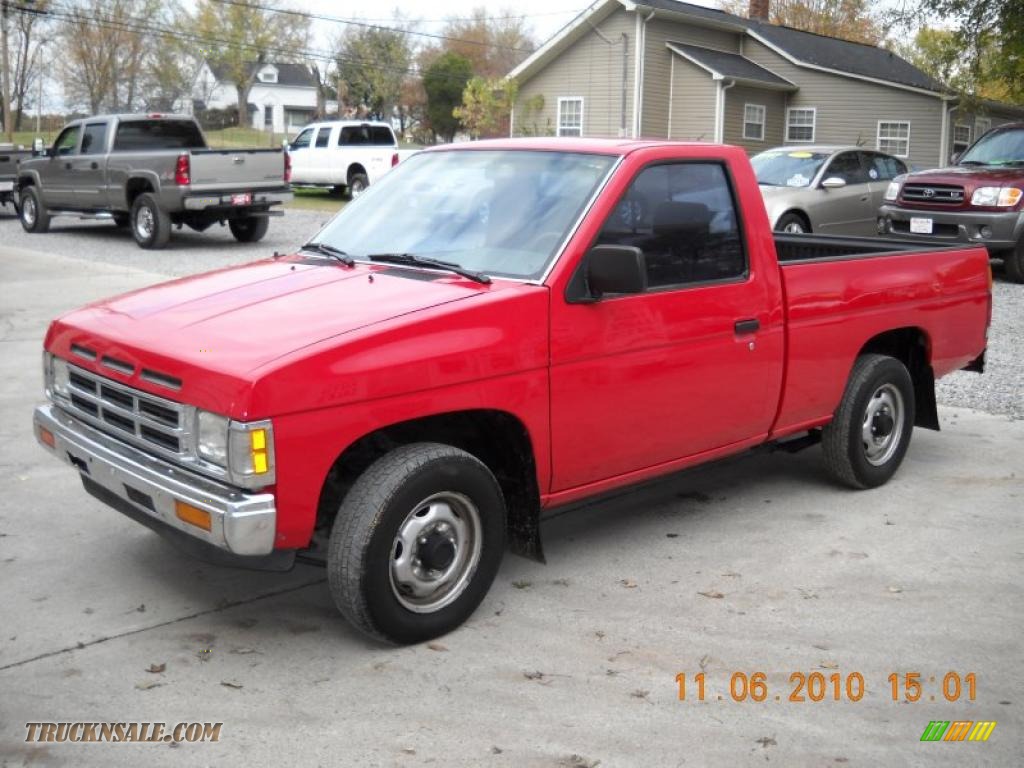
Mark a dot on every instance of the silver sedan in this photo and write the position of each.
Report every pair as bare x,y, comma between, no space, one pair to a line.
825,189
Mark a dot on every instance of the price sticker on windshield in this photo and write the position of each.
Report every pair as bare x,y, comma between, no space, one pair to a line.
920,226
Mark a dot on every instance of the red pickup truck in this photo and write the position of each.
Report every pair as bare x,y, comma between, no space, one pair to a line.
492,331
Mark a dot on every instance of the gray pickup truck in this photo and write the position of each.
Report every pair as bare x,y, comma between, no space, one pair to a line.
10,159
151,172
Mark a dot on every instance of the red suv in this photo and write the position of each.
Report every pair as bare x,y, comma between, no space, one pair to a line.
979,200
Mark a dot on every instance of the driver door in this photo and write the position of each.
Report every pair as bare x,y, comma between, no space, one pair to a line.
57,175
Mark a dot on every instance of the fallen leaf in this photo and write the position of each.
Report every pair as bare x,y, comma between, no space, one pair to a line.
599,635
639,693
713,595
409,750
767,741
229,684
496,750
703,663
896,590
147,685
561,582
436,647
243,651
828,665
518,584
538,675
671,535
141,608
156,669
628,583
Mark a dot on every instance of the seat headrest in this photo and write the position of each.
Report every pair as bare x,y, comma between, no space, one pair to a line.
674,218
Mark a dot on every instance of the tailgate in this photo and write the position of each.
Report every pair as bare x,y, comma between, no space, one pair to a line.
242,169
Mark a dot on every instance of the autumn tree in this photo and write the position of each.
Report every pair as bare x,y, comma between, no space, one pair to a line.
372,66
856,20
444,81
486,105
240,35
493,44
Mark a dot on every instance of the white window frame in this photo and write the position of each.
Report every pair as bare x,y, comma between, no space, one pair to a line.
789,124
268,75
762,112
960,145
879,137
979,122
559,128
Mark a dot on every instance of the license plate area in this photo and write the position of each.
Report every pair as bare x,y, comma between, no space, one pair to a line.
920,226
245,198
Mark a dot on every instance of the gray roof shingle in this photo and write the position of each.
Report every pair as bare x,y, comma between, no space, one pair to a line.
731,65
287,74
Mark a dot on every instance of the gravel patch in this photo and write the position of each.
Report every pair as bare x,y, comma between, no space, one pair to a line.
1000,390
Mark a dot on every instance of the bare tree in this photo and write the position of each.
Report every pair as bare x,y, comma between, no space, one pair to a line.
31,31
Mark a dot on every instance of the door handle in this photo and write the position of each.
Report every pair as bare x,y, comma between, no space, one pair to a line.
747,326
864,199
67,166
94,165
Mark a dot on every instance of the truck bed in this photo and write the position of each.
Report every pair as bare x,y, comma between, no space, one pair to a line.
801,249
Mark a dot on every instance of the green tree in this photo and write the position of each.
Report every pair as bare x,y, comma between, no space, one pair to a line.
372,63
242,34
486,105
444,80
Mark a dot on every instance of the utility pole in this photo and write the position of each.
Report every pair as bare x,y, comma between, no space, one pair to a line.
8,127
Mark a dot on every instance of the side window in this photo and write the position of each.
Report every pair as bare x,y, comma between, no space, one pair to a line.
323,136
94,139
847,167
683,217
67,142
354,135
883,167
382,136
302,140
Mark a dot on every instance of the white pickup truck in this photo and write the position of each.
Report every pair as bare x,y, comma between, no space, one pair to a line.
346,155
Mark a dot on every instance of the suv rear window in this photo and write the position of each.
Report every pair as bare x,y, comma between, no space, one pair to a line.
135,135
373,135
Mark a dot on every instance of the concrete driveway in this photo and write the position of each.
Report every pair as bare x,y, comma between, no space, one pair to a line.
757,564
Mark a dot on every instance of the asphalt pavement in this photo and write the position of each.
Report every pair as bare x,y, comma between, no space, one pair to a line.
755,564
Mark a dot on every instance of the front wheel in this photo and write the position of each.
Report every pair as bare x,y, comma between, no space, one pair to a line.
869,434
792,224
416,543
1013,262
33,215
251,229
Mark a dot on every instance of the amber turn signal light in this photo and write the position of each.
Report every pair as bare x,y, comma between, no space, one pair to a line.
200,518
47,437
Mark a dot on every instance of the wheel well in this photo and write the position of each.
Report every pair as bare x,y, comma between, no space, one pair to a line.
797,212
26,181
911,347
134,188
497,438
353,170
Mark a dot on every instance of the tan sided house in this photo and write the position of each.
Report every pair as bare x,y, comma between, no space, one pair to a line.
667,69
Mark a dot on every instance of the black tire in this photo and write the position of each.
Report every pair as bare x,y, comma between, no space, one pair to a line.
151,225
122,220
389,497
848,455
251,229
793,223
32,213
1013,263
357,184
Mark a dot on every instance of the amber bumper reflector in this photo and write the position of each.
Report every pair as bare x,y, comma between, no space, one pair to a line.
200,518
47,437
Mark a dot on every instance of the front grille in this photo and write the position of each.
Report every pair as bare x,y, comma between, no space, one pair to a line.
933,194
147,421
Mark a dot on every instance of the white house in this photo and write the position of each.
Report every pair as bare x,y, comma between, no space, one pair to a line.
282,98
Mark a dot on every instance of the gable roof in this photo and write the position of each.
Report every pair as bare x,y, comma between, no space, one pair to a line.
287,74
730,65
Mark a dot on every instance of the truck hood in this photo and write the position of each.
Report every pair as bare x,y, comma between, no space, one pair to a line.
968,175
209,332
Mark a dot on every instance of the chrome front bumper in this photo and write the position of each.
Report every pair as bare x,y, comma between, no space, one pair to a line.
1002,229
240,523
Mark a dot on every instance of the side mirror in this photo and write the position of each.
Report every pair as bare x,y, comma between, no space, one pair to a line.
37,146
615,269
833,182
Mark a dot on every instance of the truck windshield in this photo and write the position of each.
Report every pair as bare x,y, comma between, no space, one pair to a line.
997,148
499,212
793,168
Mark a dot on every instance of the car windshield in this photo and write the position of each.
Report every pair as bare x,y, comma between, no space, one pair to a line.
997,148
793,168
499,212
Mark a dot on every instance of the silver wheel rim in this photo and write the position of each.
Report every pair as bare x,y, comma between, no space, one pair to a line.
882,427
144,223
794,228
455,519
28,210
357,189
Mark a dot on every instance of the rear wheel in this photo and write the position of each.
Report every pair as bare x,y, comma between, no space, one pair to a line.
251,229
151,226
34,217
357,184
793,224
1013,261
870,432
416,543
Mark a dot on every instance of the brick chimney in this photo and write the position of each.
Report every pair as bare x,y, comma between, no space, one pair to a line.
758,10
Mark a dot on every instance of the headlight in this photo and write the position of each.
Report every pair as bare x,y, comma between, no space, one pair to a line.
245,450
1000,197
893,191
212,433
55,376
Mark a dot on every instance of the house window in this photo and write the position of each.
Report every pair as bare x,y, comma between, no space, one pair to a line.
800,124
894,137
570,117
982,125
268,76
961,138
753,122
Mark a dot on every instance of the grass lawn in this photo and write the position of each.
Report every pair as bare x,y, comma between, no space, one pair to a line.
316,200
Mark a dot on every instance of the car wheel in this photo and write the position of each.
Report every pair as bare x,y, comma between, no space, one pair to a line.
251,229
870,432
416,543
1013,263
33,215
151,226
792,224
357,185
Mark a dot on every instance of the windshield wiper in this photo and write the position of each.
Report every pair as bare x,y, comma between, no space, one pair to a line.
971,162
420,261
330,250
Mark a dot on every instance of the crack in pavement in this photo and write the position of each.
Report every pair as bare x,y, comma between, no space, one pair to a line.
79,646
